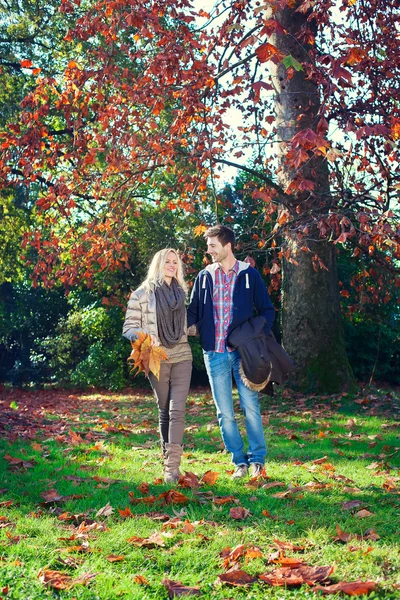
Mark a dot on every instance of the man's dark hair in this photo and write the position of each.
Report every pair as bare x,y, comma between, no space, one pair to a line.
223,234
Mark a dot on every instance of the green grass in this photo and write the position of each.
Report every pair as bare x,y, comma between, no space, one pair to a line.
121,444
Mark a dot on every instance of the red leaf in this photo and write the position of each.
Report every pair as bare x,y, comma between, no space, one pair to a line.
351,588
236,578
176,589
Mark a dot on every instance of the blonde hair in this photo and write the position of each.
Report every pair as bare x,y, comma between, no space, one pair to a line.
155,274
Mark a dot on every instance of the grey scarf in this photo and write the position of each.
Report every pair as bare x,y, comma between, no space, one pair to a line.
170,302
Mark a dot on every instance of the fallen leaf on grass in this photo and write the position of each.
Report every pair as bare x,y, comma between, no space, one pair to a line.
144,488
52,496
140,579
6,503
189,480
319,461
151,542
106,511
173,497
76,439
285,576
279,558
237,577
144,500
176,589
115,558
61,581
268,514
224,499
4,522
362,514
209,478
351,504
126,513
239,512
288,546
19,463
351,588
272,484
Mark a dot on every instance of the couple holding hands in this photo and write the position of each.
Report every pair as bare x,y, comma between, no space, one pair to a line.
224,297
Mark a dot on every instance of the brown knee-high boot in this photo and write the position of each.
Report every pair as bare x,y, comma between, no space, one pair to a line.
173,455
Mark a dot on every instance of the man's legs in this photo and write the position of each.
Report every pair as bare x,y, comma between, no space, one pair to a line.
219,372
251,410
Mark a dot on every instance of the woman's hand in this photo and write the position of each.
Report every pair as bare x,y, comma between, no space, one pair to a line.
154,340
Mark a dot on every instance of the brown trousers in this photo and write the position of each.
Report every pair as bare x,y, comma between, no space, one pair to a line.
171,392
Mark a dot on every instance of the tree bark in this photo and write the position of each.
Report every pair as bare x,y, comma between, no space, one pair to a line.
311,320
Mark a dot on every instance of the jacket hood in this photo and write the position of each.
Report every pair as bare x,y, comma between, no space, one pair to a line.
212,268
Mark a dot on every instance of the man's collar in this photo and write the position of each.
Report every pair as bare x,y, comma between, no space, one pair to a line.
235,267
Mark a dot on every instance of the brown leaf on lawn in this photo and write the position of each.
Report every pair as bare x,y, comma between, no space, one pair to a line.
176,589
140,579
189,480
285,576
151,542
14,539
288,546
238,512
209,478
18,463
371,534
362,514
7,503
173,497
126,513
268,514
144,500
351,504
115,558
287,561
319,461
351,588
76,439
188,527
55,579
61,581
237,577
223,499
106,511
231,557
272,484
144,488
52,496
346,537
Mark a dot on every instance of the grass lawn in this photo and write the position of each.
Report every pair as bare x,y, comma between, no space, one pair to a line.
85,515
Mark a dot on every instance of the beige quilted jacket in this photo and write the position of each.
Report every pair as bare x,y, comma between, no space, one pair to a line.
141,316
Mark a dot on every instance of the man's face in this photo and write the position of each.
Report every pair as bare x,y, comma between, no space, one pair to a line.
217,251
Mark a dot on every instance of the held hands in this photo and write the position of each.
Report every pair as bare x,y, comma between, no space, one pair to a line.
154,340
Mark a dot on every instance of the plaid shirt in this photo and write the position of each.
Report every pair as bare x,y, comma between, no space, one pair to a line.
223,304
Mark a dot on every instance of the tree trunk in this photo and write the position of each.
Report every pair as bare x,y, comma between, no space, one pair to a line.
311,319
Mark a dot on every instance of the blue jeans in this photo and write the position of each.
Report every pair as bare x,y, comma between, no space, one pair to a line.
220,366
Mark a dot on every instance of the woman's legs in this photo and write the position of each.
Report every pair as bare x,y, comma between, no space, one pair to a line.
171,392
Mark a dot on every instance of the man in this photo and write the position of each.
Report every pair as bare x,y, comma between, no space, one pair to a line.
224,296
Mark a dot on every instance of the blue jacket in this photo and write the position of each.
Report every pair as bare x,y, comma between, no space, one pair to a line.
249,294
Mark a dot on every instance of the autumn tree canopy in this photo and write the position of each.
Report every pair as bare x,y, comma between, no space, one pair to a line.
133,104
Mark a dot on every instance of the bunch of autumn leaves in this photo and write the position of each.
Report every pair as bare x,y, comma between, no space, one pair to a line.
146,356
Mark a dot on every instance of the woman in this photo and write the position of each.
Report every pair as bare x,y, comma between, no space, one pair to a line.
157,307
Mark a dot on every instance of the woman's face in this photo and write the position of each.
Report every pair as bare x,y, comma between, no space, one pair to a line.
171,266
